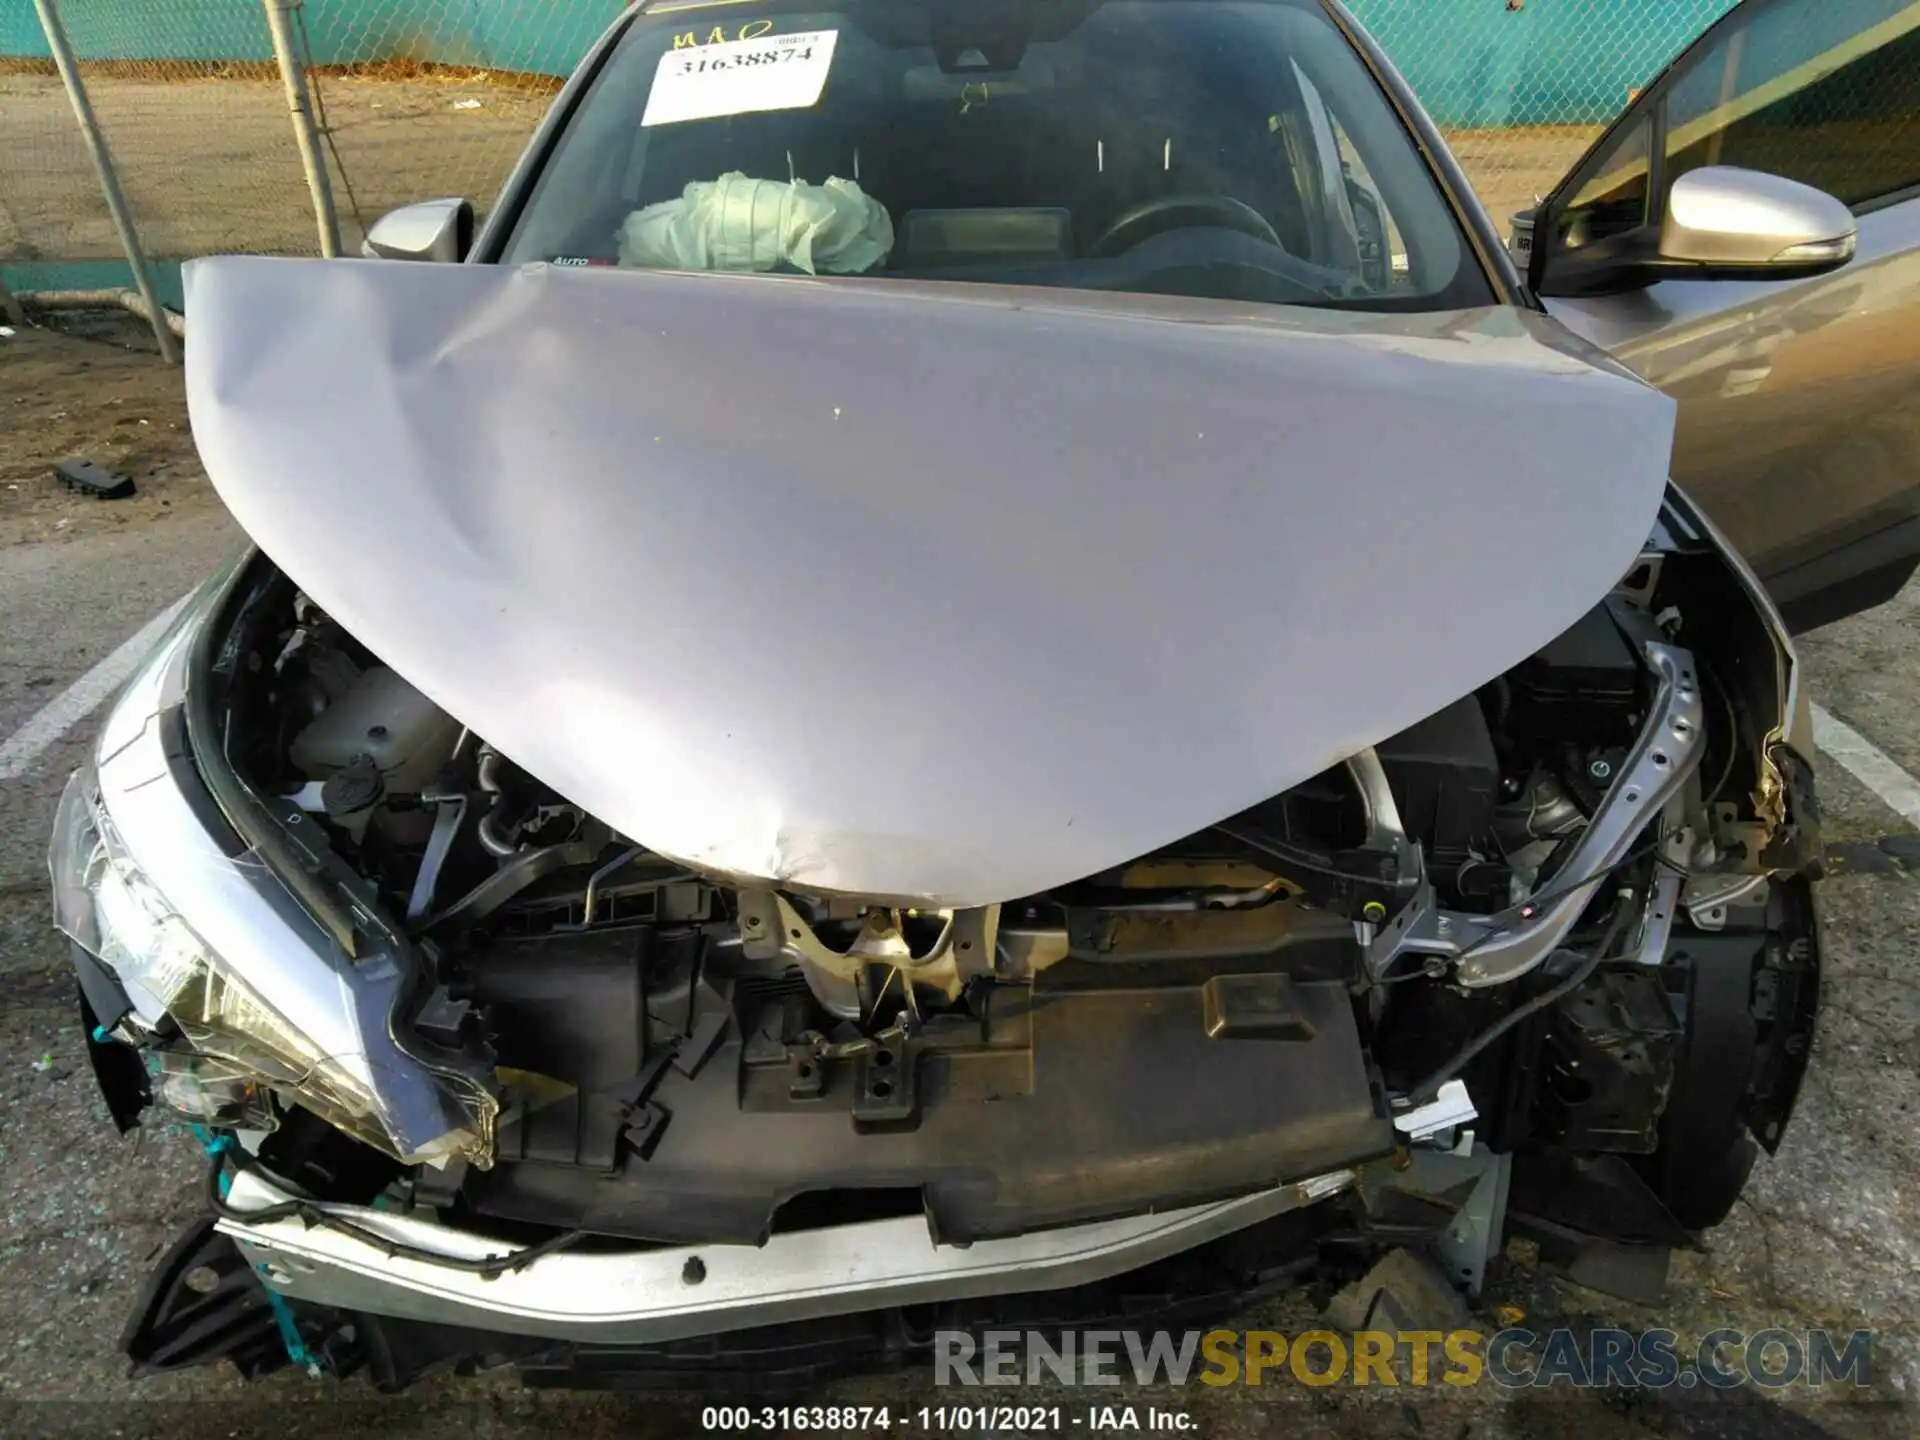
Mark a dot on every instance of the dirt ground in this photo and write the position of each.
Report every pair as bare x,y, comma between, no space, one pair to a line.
108,400
209,165
1828,1234
1512,169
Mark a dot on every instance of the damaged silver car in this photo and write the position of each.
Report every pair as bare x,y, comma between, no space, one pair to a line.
984,649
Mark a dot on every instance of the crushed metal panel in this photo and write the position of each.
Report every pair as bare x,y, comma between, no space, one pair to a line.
944,593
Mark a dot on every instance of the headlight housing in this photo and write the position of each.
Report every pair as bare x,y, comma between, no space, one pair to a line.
107,904
230,986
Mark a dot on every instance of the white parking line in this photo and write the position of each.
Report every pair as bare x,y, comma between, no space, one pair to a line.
1868,764
67,709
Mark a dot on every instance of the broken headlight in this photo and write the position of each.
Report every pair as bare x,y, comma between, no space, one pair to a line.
289,1018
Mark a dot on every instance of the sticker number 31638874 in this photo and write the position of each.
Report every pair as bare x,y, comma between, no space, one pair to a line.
736,77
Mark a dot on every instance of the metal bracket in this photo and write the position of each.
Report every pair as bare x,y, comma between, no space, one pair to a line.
1479,1228
1494,949
771,927
1657,924
1707,898
446,825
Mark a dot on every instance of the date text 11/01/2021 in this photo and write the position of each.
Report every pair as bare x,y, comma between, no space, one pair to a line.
942,1418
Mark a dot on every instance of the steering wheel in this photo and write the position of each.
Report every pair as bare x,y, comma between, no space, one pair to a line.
1178,212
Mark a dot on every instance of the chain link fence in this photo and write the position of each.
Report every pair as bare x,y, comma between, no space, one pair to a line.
417,98
1521,88
50,205
437,97
191,108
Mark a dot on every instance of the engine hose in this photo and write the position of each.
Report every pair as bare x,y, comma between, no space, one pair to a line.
1429,1088
314,1215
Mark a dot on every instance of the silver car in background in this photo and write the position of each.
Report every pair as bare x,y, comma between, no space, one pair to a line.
1798,430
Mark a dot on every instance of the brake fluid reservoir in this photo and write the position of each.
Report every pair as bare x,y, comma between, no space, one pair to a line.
381,716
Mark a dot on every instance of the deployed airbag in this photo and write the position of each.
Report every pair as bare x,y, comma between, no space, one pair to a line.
940,592
734,223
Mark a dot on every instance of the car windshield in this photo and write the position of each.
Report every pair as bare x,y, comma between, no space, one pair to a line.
1227,149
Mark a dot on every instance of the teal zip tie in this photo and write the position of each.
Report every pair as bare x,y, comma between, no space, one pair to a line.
289,1328
100,1035
215,1144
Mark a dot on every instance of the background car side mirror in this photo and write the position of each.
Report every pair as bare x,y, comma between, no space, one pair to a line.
1741,222
425,230
1719,222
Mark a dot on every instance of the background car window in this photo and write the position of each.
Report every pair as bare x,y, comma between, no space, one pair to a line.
1185,147
1826,92
1616,201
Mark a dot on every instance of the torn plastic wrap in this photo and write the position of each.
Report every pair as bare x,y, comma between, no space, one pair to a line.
946,594
213,945
734,223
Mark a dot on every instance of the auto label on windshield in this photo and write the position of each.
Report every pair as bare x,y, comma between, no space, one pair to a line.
737,77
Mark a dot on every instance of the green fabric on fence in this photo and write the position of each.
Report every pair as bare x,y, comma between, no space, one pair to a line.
1475,64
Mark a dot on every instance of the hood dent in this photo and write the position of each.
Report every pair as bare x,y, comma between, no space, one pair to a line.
938,593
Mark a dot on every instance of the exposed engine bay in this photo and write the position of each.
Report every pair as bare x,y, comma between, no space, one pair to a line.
1580,890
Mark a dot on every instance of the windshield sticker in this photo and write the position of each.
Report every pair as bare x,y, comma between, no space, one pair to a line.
738,77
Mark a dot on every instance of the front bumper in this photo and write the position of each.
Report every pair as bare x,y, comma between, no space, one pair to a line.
647,1295
239,1319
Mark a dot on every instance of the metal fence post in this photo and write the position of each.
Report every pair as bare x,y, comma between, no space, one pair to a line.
63,61
294,73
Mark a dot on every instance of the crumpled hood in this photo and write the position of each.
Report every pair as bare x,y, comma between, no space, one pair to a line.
945,593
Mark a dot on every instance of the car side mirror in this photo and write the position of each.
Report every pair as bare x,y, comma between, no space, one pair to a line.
1746,222
425,230
1719,222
